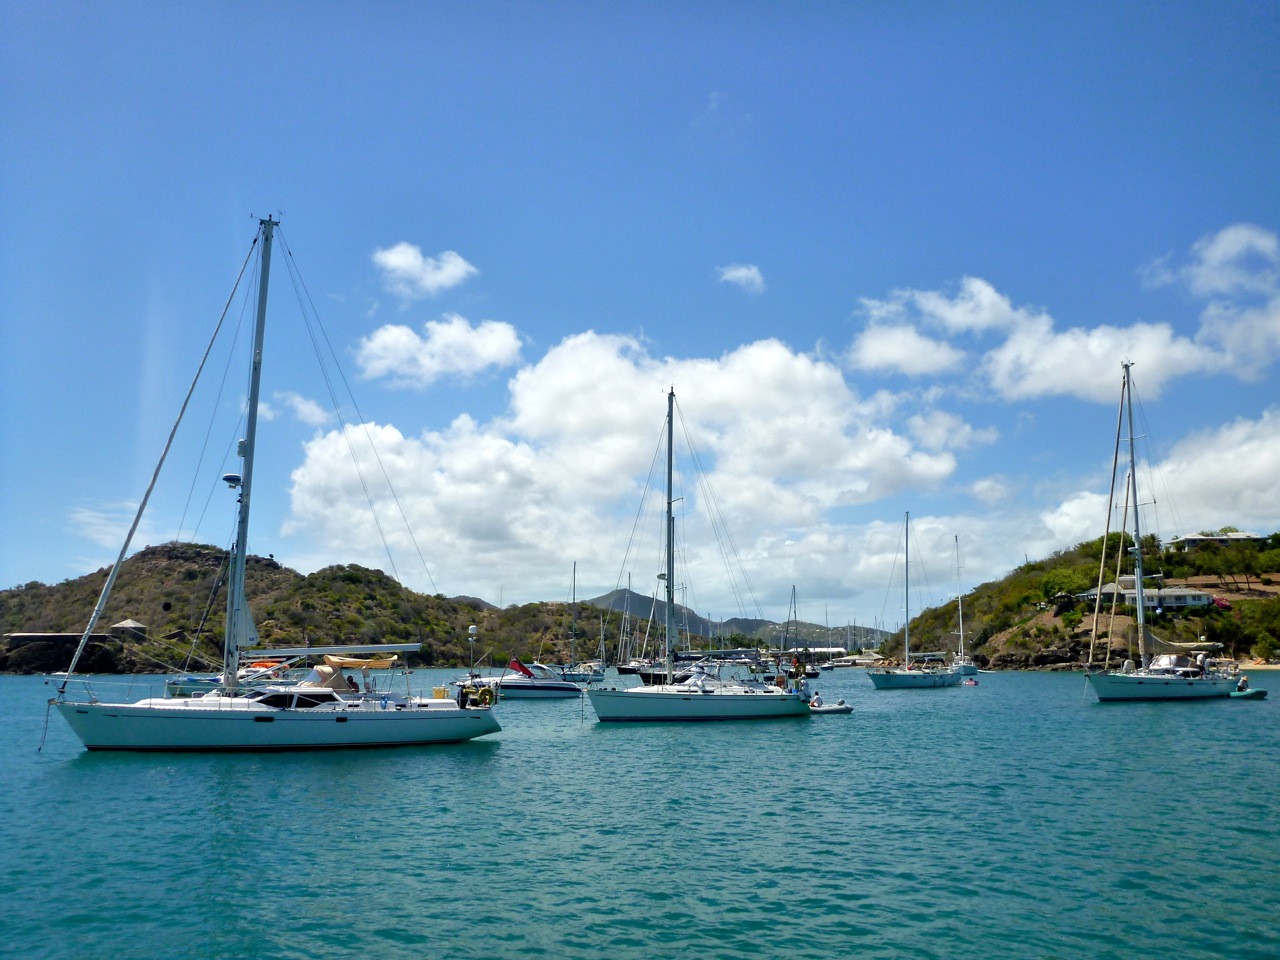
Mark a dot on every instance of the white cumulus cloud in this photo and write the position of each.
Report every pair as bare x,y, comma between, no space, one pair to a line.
802,459
448,347
746,276
902,349
1242,258
410,275
939,430
1236,271
304,408
1038,361
1231,471
782,438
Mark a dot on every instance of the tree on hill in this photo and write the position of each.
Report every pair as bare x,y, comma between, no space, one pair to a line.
177,590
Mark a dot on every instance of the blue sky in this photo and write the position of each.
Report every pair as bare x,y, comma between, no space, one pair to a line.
890,257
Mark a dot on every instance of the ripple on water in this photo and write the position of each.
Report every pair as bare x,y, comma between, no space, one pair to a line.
1009,819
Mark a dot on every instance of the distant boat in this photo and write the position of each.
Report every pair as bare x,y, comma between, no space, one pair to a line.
924,672
863,659
636,664
838,707
1167,676
520,681
706,695
270,717
657,671
585,671
575,671
961,663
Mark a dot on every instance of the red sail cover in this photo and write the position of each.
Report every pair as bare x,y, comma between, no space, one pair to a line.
519,667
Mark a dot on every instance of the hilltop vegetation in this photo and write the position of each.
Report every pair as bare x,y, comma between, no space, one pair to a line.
1030,618
176,591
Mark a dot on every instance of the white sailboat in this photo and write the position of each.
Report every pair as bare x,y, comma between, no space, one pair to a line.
580,671
1166,676
961,663
911,676
524,681
261,718
705,695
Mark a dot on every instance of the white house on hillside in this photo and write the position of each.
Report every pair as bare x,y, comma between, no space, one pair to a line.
1193,540
1155,598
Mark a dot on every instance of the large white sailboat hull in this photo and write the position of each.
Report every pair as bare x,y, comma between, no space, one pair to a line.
223,723
1144,686
678,702
889,679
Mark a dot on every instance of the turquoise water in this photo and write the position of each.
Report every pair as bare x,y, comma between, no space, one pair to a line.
1013,819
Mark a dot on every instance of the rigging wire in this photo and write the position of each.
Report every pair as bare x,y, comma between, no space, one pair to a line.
1106,536
222,384
730,557
1156,472
146,497
889,584
309,313
640,511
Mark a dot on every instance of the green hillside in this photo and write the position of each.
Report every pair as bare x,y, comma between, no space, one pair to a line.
1028,619
1031,618
176,591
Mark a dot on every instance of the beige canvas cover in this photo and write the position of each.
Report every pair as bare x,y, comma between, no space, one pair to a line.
355,663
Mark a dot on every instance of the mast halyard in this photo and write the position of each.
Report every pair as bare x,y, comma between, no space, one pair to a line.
670,574
239,622
906,579
959,597
1138,585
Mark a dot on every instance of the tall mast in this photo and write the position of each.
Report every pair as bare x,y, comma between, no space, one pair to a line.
238,618
906,566
959,598
1138,586
670,573
1106,534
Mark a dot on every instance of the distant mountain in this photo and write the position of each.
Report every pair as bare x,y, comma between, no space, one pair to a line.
792,635
175,592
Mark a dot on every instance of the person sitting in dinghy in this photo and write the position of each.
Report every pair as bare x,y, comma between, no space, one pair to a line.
817,699
1243,685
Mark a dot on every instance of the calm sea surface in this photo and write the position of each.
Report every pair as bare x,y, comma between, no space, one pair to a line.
1018,818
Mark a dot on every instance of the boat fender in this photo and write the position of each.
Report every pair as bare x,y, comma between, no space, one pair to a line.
486,697
384,703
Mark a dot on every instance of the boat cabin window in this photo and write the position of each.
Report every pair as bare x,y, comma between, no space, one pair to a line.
317,698
284,699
